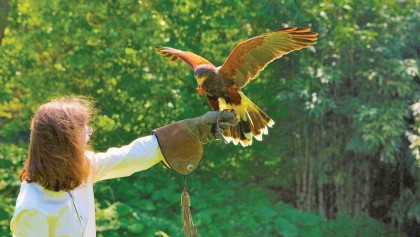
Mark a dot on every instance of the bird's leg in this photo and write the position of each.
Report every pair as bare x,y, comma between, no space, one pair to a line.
219,129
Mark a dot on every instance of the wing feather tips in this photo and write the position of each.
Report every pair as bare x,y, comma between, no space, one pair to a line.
304,41
296,30
295,33
164,51
287,29
302,29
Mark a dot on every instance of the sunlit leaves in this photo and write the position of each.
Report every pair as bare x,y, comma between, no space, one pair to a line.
342,103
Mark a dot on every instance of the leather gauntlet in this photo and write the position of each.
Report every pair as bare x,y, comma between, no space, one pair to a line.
182,142
181,152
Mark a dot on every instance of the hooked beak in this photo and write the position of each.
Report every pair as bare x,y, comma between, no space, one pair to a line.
200,90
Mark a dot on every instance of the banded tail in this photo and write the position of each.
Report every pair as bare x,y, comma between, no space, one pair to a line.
252,122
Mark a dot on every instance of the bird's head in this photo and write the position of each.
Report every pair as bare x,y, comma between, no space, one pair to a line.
202,73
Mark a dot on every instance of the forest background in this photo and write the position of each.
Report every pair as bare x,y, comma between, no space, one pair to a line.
341,160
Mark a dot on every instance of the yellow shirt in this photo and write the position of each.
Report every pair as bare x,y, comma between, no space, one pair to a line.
40,212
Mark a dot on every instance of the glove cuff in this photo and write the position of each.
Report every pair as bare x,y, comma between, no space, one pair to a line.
180,150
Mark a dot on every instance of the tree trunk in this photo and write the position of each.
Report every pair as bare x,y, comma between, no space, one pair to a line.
4,5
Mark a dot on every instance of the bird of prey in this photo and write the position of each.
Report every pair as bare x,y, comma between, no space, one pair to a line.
222,85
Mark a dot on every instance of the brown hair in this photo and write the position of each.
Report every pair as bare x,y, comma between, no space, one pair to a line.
56,157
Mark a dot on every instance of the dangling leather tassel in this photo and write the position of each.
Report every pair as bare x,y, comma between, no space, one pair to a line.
187,222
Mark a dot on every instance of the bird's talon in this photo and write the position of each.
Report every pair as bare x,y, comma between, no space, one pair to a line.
220,131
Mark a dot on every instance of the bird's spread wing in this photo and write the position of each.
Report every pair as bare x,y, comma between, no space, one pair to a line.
174,54
251,56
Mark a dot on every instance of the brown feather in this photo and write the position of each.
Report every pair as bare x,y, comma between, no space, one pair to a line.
234,96
174,54
234,132
213,102
253,125
257,122
249,57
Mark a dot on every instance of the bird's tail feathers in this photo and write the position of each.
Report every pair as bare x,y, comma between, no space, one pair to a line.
252,122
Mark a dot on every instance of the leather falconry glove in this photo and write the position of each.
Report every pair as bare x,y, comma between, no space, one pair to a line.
182,142
209,126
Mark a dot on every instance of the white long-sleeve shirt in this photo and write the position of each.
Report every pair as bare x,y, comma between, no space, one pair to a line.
40,212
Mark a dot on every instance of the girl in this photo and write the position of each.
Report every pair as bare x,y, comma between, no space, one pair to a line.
56,194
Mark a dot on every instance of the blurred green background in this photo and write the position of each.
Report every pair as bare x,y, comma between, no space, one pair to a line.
341,160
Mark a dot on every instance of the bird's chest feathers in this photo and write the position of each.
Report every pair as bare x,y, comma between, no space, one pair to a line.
213,87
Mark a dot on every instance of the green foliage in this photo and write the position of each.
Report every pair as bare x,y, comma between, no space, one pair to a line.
11,160
359,225
219,208
343,108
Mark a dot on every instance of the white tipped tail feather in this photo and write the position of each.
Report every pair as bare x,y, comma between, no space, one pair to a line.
252,122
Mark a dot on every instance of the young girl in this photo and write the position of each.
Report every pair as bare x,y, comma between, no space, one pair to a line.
56,194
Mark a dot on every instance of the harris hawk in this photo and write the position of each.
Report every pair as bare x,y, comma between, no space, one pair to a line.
222,85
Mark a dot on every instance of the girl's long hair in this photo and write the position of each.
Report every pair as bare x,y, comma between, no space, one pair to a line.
56,157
